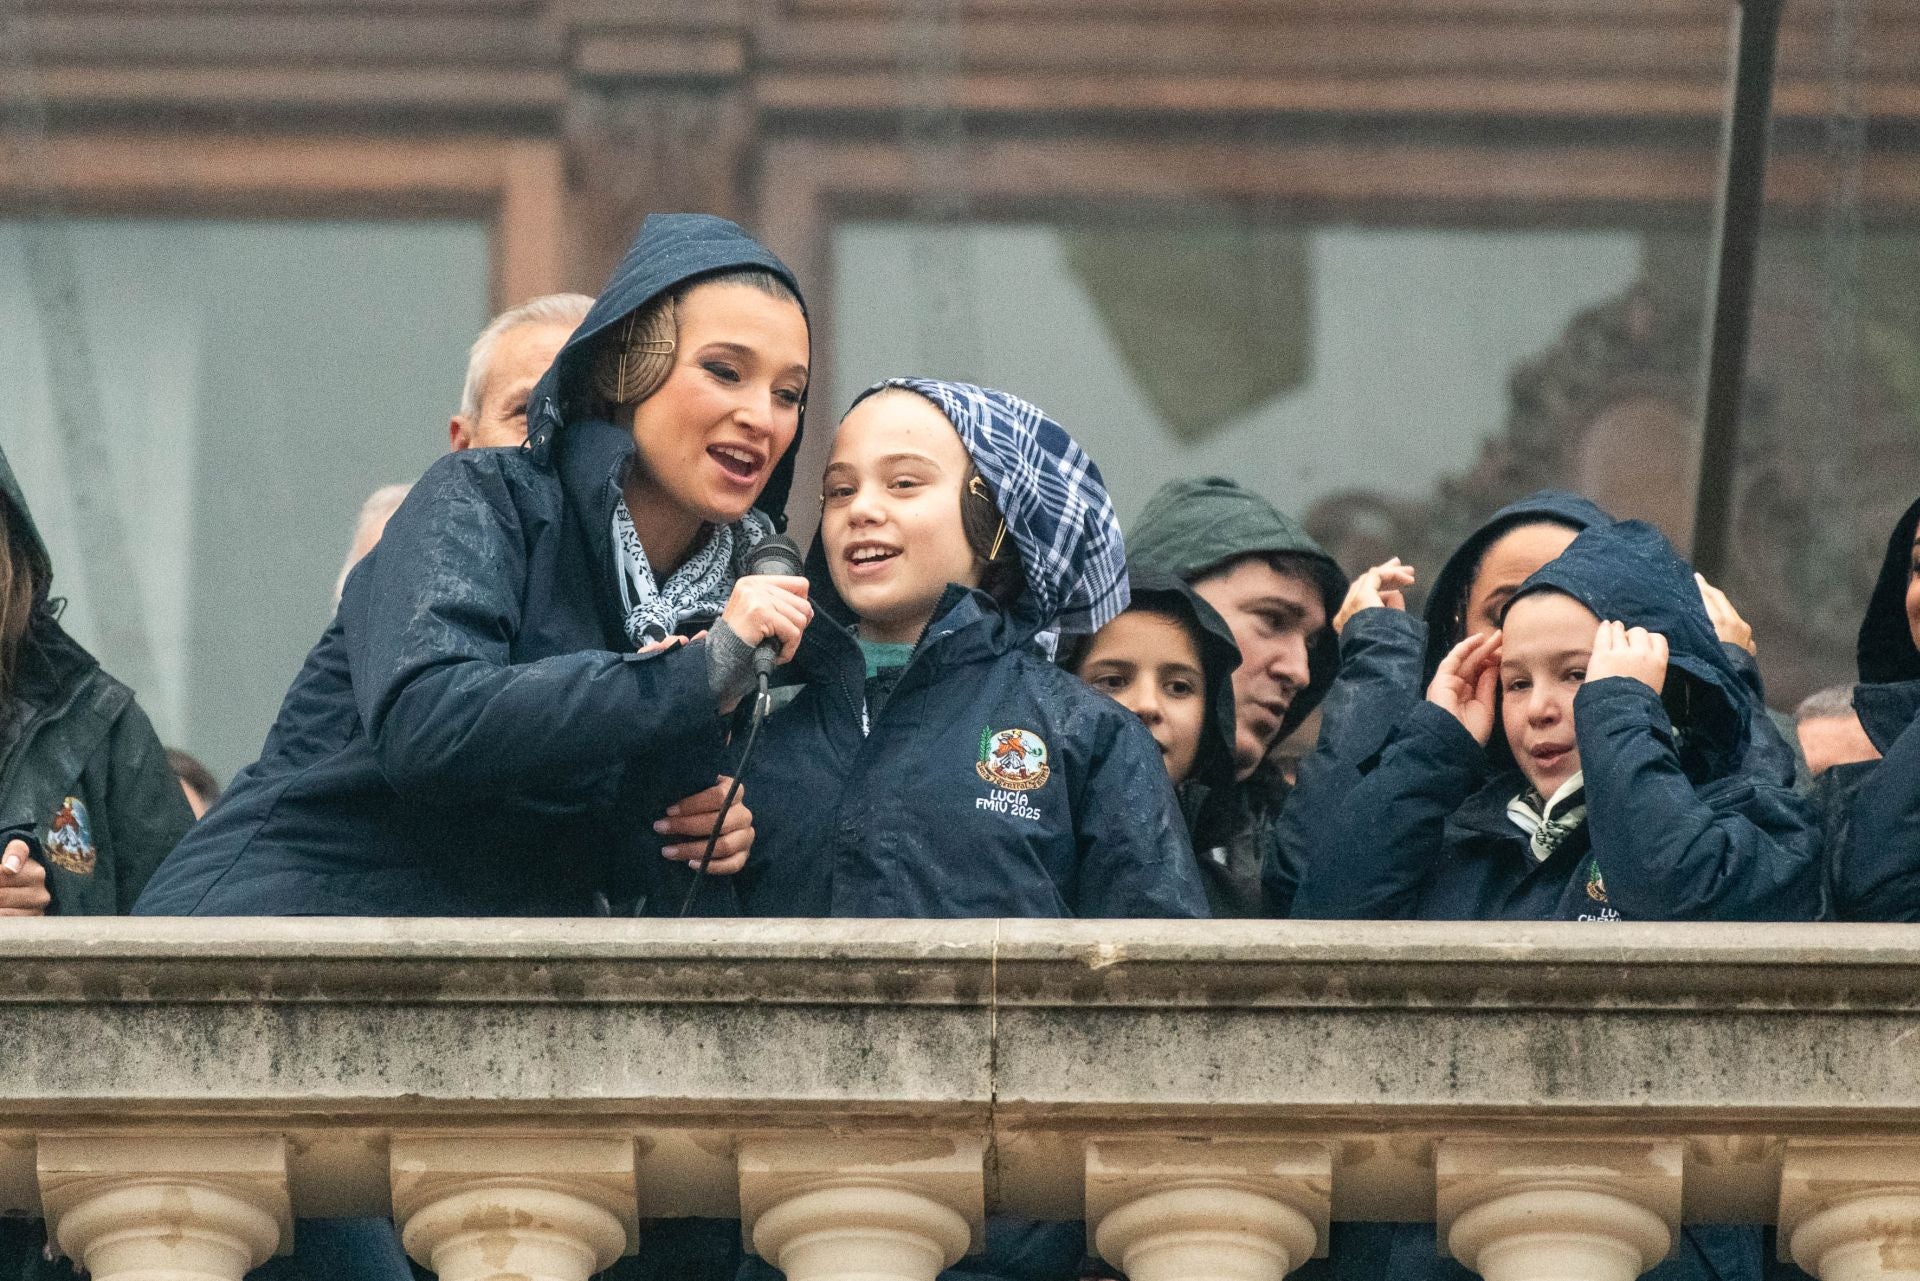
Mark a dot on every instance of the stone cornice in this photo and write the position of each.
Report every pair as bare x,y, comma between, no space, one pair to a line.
1375,1042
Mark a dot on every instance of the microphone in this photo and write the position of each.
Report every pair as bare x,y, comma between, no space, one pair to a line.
774,554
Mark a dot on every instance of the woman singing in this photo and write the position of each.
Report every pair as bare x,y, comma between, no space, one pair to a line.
520,708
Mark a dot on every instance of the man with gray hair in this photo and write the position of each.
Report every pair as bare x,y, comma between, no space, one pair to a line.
1830,730
503,365
505,362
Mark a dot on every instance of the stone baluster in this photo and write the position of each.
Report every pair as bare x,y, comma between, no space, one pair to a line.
1558,1210
479,1207
1214,1210
179,1207
1850,1209
881,1208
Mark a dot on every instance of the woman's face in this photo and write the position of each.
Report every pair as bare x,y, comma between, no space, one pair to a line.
890,514
1509,562
708,440
1149,664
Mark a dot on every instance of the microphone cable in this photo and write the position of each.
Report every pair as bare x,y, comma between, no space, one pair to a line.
762,704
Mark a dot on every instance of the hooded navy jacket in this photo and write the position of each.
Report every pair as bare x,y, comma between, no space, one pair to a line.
896,811
473,734
1233,889
1675,830
1194,528
1873,807
1387,657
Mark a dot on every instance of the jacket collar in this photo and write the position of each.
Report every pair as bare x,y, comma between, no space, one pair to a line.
1886,710
967,627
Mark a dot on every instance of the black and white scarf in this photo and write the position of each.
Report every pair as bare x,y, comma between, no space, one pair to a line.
700,587
1550,822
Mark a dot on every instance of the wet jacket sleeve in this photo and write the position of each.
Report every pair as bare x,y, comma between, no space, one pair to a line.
1879,867
1737,849
1381,651
1135,857
1773,751
146,812
1380,857
449,714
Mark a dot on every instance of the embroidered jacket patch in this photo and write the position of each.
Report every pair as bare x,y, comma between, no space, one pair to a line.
70,838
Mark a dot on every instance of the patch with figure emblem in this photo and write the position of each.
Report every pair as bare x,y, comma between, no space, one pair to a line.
1013,759
69,840
1596,888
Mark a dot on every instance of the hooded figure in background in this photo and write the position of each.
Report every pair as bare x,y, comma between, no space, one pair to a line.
501,709
1194,728
1276,589
1872,808
84,782
87,799
1608,796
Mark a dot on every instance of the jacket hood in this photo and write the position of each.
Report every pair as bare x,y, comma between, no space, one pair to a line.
1051,496
1886,650
1446,609
20,517
1628,572
670,251
1191,527
1162,593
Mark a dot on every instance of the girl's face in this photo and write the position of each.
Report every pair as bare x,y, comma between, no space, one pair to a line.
1149,664
709,438
1544,649
1509,562
890,514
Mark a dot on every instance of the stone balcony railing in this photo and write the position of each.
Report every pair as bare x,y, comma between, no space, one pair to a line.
524,1097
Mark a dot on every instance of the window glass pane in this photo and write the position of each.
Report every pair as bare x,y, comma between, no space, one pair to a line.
196,432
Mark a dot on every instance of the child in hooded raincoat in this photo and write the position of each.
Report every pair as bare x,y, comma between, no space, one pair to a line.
1872,808
1388,657
1583,763
1169,659
932,765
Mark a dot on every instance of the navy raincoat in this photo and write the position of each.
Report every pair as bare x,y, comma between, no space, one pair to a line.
1233,888
1195,528
1387,659
1873,807
990,783
1675,830
473,734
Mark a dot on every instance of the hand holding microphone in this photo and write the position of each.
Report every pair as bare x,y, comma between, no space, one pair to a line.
760,627
762,623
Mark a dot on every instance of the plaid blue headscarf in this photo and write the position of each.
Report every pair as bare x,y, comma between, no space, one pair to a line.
1051,496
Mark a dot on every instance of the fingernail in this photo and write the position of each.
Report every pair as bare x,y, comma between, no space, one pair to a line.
673,811
661,826
10,864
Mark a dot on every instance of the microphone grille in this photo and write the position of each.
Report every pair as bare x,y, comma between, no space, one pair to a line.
776,554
